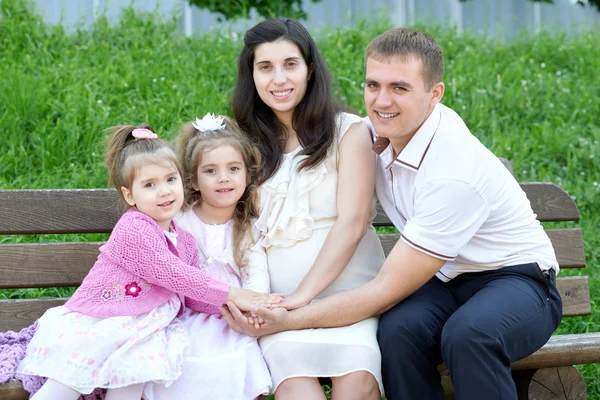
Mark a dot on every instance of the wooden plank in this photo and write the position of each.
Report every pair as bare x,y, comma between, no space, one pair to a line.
66,264
568,247
567,243
548,200
575,294
564,350
58,211
97,210
13,390
18,314
29,265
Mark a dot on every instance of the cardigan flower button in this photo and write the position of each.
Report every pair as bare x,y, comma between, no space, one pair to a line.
132,289
106,294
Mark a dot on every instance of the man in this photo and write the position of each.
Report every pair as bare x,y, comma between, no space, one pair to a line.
471,282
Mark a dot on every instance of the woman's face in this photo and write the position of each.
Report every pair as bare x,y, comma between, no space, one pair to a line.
280,77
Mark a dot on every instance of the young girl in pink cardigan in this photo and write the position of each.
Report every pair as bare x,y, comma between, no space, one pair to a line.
119,329
220,174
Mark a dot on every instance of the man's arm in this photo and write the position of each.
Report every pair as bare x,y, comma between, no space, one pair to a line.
404,271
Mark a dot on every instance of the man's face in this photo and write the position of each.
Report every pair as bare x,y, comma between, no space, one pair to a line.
396,98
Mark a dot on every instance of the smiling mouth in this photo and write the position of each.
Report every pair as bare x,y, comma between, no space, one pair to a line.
225,190
282,93
168,203
386,115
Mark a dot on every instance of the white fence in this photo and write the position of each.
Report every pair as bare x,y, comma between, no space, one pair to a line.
498,18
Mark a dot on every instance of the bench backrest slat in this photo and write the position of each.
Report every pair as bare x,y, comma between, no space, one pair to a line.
575,294
549,201
29,265
17,314
97,210
38,265
568,246
58,211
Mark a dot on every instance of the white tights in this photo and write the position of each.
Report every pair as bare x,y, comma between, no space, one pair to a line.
53,390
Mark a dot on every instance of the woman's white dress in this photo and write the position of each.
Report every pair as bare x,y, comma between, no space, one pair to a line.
298,209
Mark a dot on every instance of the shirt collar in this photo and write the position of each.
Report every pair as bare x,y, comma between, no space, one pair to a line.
414,152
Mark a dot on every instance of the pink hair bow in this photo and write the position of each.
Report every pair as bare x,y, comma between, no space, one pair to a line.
142,133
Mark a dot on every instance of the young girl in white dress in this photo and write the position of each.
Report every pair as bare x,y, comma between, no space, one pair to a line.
220,206
119,329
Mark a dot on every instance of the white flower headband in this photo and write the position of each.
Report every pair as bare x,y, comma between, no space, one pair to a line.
209,123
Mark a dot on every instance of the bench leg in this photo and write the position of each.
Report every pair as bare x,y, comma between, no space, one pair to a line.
13,390
559,383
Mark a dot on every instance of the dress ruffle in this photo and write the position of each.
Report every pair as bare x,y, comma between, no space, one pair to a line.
285,218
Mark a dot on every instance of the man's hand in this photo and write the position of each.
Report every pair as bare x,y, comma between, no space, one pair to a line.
274,321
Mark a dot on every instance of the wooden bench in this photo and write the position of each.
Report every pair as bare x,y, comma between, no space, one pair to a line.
547,374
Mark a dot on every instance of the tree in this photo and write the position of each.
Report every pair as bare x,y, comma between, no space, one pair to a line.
234,9
595,3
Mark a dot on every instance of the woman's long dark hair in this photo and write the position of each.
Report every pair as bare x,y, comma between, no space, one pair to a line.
314,117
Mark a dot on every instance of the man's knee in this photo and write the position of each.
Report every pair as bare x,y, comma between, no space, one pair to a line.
398,328
462,336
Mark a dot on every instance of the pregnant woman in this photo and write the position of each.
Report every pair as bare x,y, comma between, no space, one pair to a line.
316,209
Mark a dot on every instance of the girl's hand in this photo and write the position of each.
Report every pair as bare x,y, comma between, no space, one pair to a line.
244,299
293,301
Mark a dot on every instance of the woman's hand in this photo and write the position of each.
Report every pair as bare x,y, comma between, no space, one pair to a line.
244,299
273,321
293,301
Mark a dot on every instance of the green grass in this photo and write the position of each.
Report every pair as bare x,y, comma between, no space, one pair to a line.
533,100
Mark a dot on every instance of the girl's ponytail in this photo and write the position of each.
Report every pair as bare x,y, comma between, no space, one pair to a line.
115,143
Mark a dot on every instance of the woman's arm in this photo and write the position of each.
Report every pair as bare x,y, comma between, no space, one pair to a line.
356,185
256,274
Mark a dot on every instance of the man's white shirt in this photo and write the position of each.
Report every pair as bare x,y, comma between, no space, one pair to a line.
451,198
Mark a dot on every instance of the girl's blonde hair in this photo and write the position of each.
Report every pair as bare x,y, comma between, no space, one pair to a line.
126,155
190,144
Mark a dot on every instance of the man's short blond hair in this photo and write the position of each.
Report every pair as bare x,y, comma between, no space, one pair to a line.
405,43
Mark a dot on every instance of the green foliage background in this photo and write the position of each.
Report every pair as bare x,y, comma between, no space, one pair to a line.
534,100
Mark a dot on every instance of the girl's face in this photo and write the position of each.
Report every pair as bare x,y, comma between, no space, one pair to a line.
280,77
157,191
221,179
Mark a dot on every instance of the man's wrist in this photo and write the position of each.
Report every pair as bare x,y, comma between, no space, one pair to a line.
294,320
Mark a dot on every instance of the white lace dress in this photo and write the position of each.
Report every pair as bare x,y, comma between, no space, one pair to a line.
221,363
298,210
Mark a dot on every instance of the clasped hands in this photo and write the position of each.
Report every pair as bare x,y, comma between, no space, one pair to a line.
266,314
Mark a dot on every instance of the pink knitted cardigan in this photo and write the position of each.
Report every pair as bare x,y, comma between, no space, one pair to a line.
139,269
